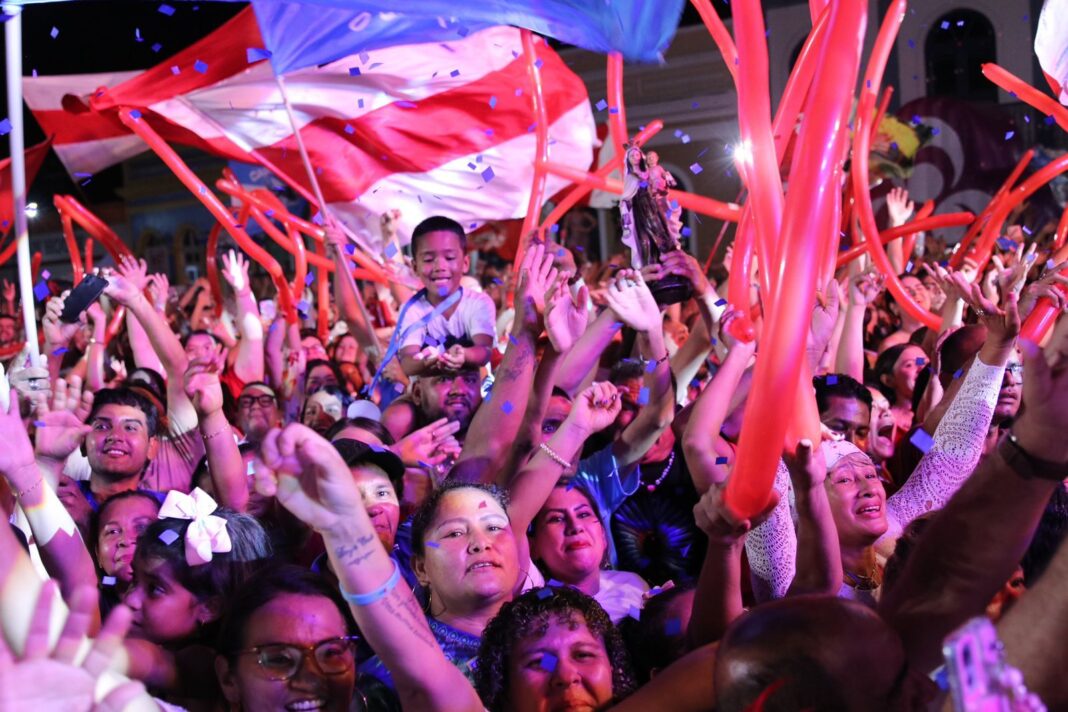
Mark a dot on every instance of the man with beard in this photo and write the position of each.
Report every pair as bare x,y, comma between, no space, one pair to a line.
455,396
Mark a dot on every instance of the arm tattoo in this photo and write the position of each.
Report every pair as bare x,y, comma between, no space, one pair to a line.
356,553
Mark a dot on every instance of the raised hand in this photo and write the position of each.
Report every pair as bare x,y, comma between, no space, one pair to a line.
159,291
308,477
430,445
202,386
1003,325
686,265
389,221
335,234
596,407
124,284
49,677
567,315
17,459
96,315
1045,286
8,292
1043,417
824,316
899,206
61,426
808,468
235,271
58,333
452,358
630,299
715,519
865,288
728,339
538,275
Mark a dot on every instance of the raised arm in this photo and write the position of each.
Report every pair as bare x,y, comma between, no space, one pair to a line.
94,374
718,598
688,359
959,438
55,534
701,442
248,364
311,480
900,209
973,545
228,474
587,351
347,295
819,557
630,298
864,289
57,335
593,410
496,425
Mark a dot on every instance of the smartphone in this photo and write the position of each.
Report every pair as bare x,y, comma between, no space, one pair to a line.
975,666
82,296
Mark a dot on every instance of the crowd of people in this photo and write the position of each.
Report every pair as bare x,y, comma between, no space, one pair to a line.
479,487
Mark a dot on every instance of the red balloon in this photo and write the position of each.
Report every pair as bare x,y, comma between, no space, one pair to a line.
984,217
771,403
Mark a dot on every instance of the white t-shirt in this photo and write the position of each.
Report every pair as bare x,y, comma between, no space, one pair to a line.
474,315
621,591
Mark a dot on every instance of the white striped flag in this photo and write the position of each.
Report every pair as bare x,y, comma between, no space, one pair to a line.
438,128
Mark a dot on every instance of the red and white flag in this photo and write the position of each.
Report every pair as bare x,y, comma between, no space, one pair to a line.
437,128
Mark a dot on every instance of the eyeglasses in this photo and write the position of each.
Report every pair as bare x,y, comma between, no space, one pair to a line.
1015,369
281,661
265,401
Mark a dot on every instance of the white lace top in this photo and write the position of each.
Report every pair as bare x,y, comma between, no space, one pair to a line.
954,453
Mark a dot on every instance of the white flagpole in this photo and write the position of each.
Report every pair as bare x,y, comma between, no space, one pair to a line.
319,194
13,42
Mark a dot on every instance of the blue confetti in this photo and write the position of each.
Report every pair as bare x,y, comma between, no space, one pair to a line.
544,593
309,278
921,361
613,110
922,440
201,66
601,105
958,373
721,302
685,232
166,9
303,306
41,291
175,69
550,661
493,102
354,71
832,379
5,127
507,407
405,104
157,47
107,580
433,545
60,351
650,366
359,103
945,24
673,627
721,461
255,54
1005,243
1049,121
391,249
168,537
349,130
696,169
54,32
38,424
912,44
487,175
643,396
1009,134
454,73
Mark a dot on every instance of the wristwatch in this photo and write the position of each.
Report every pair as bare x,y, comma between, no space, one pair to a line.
1027,465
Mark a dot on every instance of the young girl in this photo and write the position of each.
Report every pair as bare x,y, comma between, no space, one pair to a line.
185,568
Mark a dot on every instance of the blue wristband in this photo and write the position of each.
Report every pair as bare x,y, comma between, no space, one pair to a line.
366,599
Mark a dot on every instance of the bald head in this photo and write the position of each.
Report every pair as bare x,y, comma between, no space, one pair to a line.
810,652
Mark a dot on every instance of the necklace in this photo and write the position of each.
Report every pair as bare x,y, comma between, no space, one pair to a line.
656,483
861,582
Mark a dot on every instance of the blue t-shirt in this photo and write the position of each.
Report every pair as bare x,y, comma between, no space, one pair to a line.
599,475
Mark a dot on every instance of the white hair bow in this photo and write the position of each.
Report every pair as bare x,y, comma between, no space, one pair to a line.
206,532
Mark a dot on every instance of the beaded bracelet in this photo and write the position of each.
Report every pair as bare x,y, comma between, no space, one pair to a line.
366,599
554,456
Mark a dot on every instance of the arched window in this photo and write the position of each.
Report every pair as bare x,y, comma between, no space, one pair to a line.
957,45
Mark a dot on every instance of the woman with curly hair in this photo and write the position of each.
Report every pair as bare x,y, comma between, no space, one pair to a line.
552,648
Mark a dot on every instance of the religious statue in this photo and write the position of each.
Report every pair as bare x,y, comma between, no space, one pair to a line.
651,223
